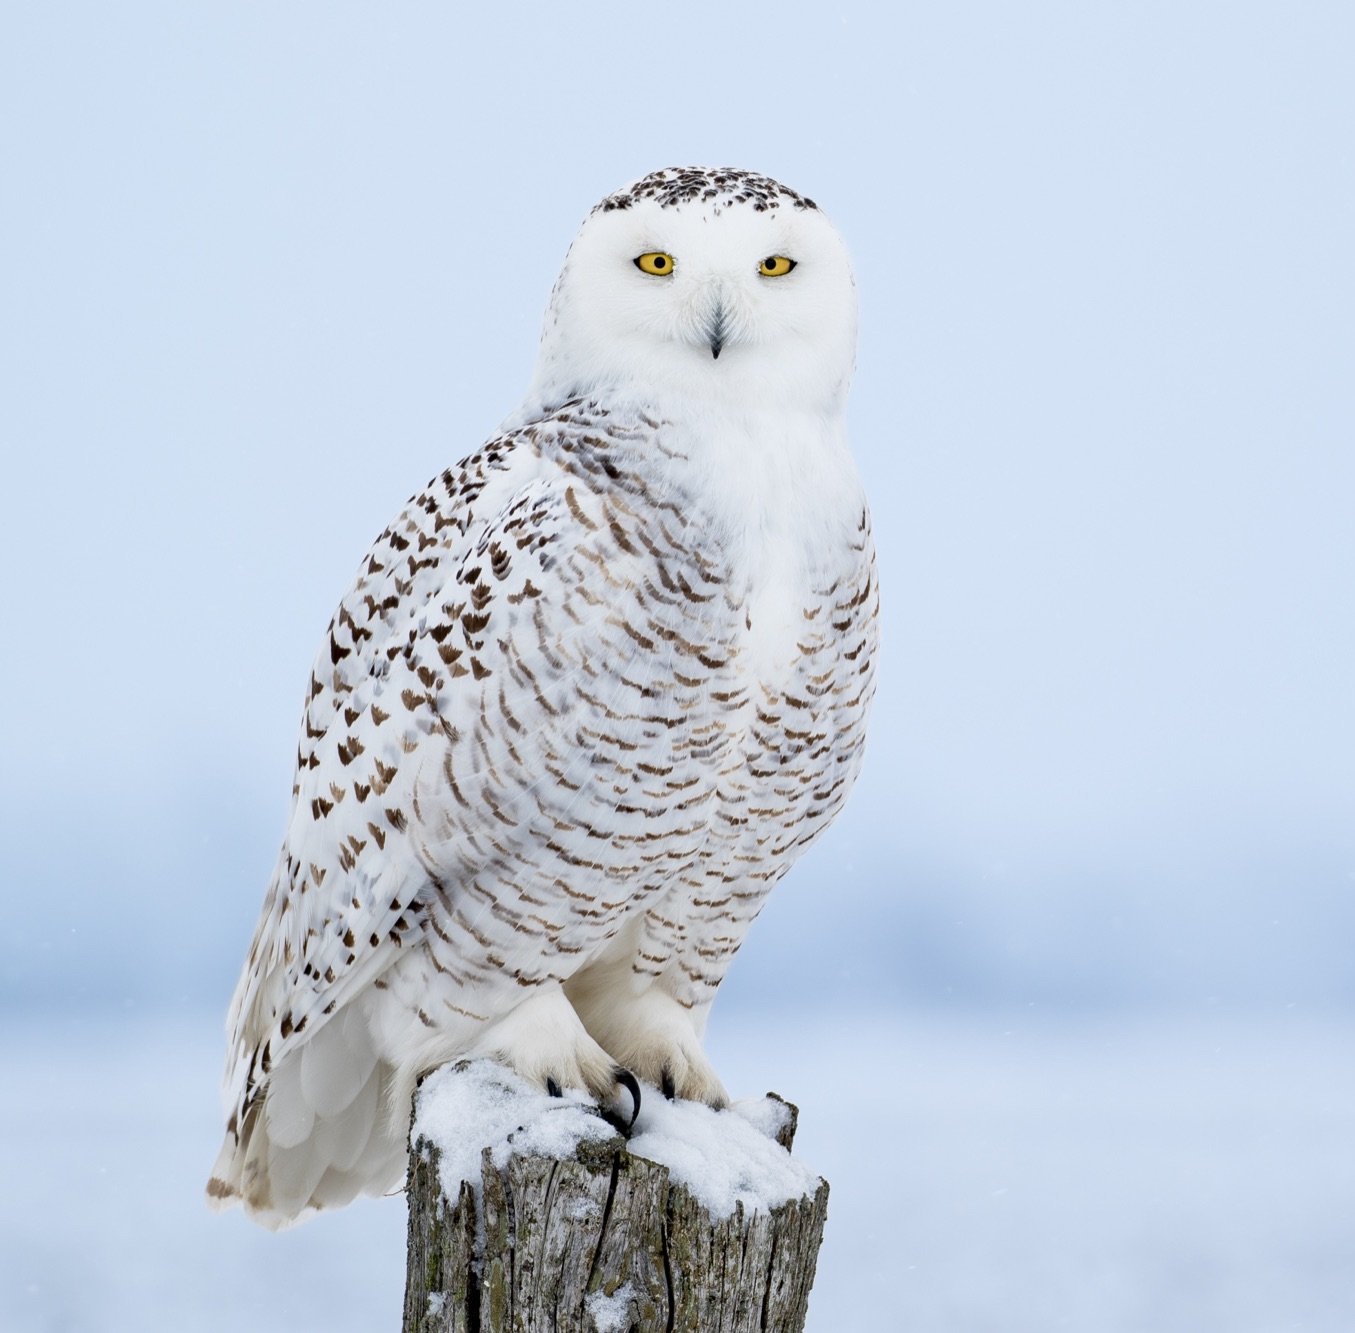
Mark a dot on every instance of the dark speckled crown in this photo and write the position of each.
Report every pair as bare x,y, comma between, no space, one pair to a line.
721,186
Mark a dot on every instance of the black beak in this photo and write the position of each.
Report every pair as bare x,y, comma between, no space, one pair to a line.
717,332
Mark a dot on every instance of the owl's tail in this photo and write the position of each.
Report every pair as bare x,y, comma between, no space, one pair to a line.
327,1127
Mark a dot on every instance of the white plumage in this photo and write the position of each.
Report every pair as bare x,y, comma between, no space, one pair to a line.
590,696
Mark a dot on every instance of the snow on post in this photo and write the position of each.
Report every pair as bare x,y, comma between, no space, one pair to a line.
531,1214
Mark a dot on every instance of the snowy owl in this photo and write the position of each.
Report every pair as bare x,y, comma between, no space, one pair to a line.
590,696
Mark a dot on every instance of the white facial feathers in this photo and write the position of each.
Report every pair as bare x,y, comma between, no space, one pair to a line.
713,326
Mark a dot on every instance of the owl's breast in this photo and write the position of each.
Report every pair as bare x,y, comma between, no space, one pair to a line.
773,513
809,647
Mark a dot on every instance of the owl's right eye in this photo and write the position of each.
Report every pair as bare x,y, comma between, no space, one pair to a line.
655,262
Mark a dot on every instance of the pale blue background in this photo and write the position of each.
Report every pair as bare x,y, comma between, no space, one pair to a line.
264,268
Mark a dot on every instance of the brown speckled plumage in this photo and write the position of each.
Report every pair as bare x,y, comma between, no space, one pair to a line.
557,748
719,188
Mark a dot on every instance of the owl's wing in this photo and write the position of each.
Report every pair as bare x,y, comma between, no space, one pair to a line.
475,596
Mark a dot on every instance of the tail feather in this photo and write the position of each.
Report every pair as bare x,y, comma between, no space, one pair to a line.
327,1128
333,1072
342,1140
288,1113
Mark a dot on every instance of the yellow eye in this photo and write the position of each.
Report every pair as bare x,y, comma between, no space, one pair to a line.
655,262
775,266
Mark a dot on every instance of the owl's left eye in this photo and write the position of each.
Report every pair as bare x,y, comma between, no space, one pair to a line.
775,266
655,262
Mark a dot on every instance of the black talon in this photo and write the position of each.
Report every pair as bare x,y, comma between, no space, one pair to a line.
666,1084
619,1122
553,1088
628,1081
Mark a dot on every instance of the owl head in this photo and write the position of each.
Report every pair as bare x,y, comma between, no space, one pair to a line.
699,283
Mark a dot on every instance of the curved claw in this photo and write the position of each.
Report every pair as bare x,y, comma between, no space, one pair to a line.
667,1085
632,1085
553,1088
615,1119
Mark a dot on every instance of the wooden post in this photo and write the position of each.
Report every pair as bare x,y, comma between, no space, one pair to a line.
602,1241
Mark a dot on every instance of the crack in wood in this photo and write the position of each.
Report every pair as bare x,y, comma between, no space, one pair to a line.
767,1290
668,1276
606,1218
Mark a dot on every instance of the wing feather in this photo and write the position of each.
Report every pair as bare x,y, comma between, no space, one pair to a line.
462,607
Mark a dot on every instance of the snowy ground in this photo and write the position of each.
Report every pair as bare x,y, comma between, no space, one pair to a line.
987,1174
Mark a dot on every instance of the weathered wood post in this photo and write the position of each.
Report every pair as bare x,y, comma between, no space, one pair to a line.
567,1228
